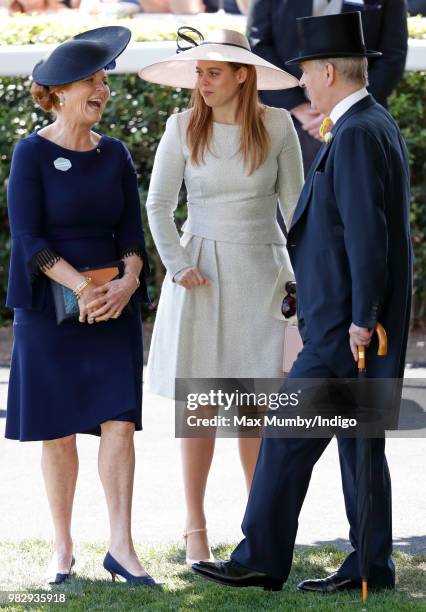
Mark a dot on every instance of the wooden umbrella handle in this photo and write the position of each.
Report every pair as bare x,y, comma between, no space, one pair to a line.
361,357
382,348
383,339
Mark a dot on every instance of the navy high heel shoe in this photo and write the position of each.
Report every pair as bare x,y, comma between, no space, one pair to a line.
115,569
60,578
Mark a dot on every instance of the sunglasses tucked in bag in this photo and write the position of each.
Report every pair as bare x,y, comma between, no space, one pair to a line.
292,341
283,307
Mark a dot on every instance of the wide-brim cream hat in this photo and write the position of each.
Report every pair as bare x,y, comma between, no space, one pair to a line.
220,46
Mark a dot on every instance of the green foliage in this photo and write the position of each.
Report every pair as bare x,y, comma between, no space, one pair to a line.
408,105
417,27
137,113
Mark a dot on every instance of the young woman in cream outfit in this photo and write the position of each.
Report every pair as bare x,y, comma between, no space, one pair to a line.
214,316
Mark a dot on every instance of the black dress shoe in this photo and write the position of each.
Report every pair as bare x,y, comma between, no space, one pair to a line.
331,584
231,573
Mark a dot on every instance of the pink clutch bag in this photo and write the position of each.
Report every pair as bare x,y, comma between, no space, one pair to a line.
292,346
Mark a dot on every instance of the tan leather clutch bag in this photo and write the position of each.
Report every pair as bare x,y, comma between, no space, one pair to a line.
100,276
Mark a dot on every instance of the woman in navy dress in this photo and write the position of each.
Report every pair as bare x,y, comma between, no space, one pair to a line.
73,202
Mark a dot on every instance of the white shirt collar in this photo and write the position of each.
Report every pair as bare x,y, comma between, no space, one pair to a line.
344,105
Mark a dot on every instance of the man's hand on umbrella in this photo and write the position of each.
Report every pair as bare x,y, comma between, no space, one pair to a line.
359,336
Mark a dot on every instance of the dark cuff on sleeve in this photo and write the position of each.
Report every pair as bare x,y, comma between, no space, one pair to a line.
141,294
366,316
132,250
140,251
43,260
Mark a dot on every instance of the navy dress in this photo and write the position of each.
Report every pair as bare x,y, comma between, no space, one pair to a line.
83,207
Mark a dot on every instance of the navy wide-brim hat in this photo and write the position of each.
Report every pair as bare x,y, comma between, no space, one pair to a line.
327,36
81,56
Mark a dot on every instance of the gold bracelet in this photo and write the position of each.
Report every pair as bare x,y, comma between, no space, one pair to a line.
81,287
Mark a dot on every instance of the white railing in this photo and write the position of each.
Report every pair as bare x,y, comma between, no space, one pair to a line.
18,60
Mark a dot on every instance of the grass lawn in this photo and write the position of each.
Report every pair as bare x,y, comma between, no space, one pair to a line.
22,565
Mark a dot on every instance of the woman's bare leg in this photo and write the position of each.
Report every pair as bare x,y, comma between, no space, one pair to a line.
197,455
249,452
59,462
116,463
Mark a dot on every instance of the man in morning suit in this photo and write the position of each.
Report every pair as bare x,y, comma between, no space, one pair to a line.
271,30
349,243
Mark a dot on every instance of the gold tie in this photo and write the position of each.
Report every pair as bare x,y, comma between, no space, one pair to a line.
326,126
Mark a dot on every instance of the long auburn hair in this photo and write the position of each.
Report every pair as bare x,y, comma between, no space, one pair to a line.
254,138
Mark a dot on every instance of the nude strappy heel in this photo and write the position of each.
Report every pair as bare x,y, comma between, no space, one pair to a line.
185,537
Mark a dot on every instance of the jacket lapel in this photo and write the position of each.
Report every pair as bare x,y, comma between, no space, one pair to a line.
307,188
305,196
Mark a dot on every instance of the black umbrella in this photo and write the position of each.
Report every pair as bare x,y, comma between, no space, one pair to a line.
363,476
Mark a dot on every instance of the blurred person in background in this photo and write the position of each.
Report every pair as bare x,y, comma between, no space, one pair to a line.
36,6
106,7
155,6
235,7
271,30
417,7
88,6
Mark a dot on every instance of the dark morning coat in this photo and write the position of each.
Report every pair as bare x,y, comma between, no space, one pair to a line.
349,241
271,29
